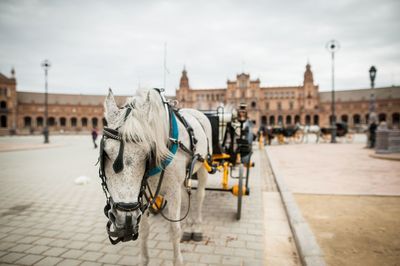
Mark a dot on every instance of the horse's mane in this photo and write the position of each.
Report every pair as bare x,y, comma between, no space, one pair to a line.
146,124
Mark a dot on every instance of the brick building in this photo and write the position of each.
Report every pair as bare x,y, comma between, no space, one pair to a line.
23,112
292,104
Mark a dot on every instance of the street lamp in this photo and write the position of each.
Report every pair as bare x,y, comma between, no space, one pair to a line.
372,115
372,75
333,46
45,65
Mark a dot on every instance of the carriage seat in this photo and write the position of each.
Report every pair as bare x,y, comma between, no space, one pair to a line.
214,121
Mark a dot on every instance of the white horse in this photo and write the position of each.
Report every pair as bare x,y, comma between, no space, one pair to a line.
310,129
138,137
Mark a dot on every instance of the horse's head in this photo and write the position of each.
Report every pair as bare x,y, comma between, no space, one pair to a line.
135,138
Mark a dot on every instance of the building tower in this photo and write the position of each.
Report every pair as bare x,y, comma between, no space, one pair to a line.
8,104
310,97
183,94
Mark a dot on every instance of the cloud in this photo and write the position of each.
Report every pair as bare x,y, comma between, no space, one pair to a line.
94,45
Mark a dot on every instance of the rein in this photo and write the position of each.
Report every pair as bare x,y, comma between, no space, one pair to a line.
130,232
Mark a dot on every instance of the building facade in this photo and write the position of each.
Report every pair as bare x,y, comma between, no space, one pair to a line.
23,112
288,105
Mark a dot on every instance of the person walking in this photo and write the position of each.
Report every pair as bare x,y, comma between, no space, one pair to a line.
94,137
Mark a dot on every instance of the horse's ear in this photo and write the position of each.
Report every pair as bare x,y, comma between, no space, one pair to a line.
146,105
110,107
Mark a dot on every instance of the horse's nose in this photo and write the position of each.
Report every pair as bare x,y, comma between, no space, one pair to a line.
120,211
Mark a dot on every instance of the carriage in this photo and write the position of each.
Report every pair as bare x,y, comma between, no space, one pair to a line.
342,131
232,150
288,133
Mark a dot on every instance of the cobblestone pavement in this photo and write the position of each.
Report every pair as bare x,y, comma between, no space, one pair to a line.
46,219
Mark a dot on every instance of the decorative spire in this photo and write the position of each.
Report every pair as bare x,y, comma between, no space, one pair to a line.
308,75
13,72
184,83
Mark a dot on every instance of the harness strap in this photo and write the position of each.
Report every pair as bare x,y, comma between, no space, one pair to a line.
189,129
174,134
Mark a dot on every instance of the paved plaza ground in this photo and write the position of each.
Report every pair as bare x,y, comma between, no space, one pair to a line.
350,199
46,219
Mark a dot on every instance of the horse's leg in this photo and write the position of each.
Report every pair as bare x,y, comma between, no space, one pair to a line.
202,176
174,212
188,222
144,235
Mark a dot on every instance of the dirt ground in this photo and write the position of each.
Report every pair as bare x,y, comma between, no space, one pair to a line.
354,230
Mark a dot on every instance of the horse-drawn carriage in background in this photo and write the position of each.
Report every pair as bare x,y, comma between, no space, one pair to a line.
342,131
232,151
283,134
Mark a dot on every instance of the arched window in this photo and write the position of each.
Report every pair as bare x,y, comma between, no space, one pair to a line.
308,119
280,119
3,121
63,121
39,121
382,117
74,122
288,120
94,121
3,105
253,104
272,120
356,119
395,119
51,121
297,119
344,118
84,122
27,121
316,120
279,106
104,122
263,120
367,118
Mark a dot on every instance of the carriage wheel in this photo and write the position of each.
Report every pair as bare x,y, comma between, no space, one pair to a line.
281,139
249,165
327,137
298,137
240,192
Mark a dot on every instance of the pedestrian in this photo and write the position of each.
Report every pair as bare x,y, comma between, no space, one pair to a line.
372,134
94,137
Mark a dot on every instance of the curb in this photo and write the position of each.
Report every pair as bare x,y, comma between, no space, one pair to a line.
389,156
307,246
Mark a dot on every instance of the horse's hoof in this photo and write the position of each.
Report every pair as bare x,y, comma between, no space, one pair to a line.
197,237
186,236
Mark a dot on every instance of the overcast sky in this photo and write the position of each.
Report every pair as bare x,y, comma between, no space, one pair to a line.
93,45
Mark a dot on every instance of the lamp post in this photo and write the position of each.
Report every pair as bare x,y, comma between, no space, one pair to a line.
333,46
372,75
372,115
45,65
